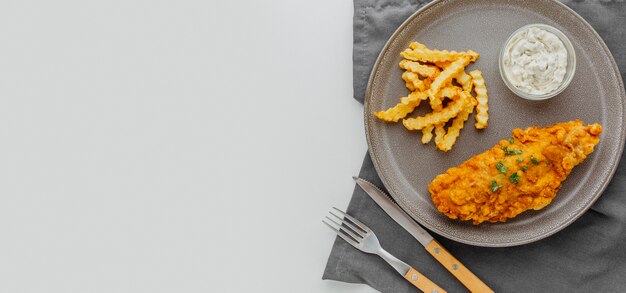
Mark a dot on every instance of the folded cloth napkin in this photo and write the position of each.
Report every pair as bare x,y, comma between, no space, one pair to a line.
587,256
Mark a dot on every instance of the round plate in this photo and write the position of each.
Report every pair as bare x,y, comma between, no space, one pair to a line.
596,94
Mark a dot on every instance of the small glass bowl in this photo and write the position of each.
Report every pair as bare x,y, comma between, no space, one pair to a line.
569,70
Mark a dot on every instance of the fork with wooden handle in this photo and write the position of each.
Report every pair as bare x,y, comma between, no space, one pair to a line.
364,239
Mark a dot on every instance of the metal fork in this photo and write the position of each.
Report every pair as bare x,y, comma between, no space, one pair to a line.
363,238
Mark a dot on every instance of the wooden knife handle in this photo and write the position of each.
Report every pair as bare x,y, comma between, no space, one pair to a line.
473,283
421,282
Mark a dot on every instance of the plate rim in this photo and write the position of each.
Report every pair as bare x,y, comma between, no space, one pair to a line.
384,177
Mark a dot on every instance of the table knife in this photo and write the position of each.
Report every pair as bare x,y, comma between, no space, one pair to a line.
467,278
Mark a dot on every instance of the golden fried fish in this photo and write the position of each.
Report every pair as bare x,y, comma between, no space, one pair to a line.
521,173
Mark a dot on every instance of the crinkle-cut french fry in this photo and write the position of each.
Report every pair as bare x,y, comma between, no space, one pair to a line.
413,83
409,85
427,55
407,105
417,45
452,109
441,64
421,69
440,132
454,130
450,72
465,80
427,134
482,115
436,102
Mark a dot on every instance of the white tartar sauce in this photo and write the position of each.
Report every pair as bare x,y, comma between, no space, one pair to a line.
535,61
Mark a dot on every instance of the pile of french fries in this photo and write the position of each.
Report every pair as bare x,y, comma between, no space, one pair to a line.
431,75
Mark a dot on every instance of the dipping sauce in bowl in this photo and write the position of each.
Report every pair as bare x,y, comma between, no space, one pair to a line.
537,62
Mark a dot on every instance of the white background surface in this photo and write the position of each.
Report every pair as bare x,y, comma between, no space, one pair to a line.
174,146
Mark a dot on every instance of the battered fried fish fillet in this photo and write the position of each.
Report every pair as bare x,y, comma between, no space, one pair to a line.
521,173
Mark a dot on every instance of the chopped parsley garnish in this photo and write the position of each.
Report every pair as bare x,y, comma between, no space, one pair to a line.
514,178
511,140
533,160
524,168
495,186
503,169
548,163
519,160
511,152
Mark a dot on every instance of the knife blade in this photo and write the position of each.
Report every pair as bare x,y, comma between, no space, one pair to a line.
393,210
454,266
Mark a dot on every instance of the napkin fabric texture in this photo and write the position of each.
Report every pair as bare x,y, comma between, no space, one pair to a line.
587,256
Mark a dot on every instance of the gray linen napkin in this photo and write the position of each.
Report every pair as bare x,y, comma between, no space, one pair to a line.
587,256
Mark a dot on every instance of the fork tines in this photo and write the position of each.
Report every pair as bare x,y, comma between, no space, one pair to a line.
349,228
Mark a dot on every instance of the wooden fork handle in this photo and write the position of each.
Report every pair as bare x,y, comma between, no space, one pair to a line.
473,283
421,282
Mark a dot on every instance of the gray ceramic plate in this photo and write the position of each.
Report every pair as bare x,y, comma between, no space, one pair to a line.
596,94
